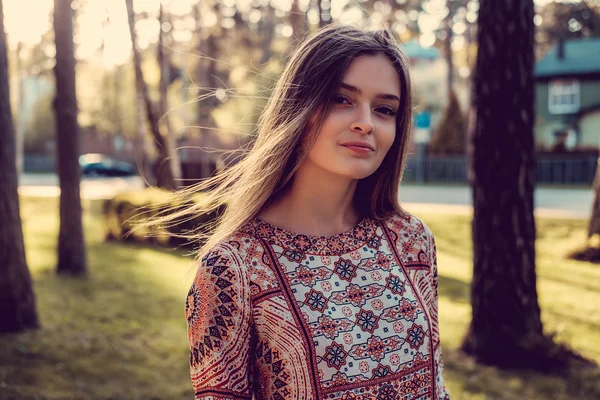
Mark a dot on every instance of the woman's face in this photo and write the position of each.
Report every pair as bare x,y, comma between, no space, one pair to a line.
361,126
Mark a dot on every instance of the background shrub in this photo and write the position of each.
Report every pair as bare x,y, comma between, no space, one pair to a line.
126,213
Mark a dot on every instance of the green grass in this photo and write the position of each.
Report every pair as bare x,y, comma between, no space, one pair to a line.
120,334
569,296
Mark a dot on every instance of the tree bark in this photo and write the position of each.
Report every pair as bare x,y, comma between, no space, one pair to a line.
17,300
20,128
163,172
506,328
267,31
594,226
71,244
296,21
207,81
448,45
165,79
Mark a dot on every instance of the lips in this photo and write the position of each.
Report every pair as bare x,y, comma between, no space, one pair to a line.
360,146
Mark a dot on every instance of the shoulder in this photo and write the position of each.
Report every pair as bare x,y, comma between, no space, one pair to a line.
408,225
234,249
246,258
412,238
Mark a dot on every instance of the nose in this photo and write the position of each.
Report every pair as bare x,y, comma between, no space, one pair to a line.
363,124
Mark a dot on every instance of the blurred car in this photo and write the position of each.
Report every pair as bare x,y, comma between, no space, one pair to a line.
101,165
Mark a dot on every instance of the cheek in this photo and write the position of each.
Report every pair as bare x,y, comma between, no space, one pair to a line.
324,141
386,140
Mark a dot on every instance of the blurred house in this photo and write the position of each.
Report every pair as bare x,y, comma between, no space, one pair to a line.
429,74
418,54
568,96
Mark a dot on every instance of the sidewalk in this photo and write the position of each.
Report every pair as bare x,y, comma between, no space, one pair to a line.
462,209
456,199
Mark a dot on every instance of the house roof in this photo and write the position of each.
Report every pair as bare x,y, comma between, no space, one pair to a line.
581,57
413,49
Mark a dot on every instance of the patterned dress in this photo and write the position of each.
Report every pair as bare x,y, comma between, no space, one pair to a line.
277,315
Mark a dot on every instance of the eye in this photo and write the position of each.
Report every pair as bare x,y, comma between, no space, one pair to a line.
340,99
386,110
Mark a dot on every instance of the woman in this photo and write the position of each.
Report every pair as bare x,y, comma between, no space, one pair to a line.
315,284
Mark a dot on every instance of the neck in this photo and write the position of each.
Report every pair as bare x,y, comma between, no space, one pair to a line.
317,203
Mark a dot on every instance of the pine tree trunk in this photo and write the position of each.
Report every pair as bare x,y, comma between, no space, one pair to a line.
448,46
169,134
506,322
144,148
71,245
207,81
267,30
20,128
296,21
594,227
17,301
163,172
324,14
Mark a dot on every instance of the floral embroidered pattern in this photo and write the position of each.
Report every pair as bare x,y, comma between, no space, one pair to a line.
316,300
345,269
367,320
329,327
350,316
335,355
357,295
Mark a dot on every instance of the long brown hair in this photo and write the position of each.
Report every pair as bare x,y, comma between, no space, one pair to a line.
289,125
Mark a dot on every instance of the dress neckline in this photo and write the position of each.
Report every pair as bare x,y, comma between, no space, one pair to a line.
341,243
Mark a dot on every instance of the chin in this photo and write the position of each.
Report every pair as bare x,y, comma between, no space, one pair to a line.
359,173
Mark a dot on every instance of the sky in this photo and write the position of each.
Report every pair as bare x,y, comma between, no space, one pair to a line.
27,20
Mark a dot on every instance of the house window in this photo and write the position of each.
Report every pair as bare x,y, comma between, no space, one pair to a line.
563,97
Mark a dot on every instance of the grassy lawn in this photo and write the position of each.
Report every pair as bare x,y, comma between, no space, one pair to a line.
121,333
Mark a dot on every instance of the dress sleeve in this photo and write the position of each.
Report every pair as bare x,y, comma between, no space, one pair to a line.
219,322
441,393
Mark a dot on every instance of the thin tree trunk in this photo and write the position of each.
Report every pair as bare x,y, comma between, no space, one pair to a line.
324,14
506,328
448,46
594,227
17,300
206,79
71,244
296,21
163,172
20,128
165,78
144,148
267,29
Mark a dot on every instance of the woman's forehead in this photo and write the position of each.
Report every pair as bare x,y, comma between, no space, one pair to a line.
372,74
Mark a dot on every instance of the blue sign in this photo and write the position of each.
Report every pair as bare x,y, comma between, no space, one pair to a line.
422,120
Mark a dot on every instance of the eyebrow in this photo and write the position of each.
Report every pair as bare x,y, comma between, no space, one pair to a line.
379,95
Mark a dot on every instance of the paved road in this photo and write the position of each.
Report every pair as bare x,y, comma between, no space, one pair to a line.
46,185
558,202
570,203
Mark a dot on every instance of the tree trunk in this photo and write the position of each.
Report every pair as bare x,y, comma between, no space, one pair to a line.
324,14
165,79
71,244
144,148
17,301
296,21
267,30
448,46
163,172
506,328
20,128
207,81
594,227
